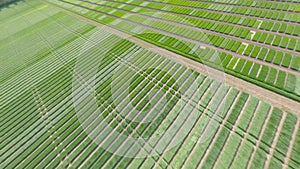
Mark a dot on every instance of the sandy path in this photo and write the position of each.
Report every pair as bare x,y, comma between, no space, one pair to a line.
279,101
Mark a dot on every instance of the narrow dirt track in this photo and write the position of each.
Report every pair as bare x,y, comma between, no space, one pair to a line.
275,99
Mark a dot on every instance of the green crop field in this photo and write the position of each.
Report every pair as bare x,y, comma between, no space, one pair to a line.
150,84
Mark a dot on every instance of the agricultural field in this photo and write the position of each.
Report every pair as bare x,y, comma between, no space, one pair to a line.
150,84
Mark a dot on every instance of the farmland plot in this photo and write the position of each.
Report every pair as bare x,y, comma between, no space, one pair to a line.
77,96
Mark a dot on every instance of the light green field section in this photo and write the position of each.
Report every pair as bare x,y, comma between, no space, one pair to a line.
77,96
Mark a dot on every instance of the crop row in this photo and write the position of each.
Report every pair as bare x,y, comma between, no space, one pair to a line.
261,4
278,27
272,56
36,49
51,148
257,116
275,40
42,155
148,161
19,128
275,15
42,128
130,28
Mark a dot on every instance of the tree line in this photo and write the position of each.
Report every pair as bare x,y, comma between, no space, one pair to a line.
6,3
